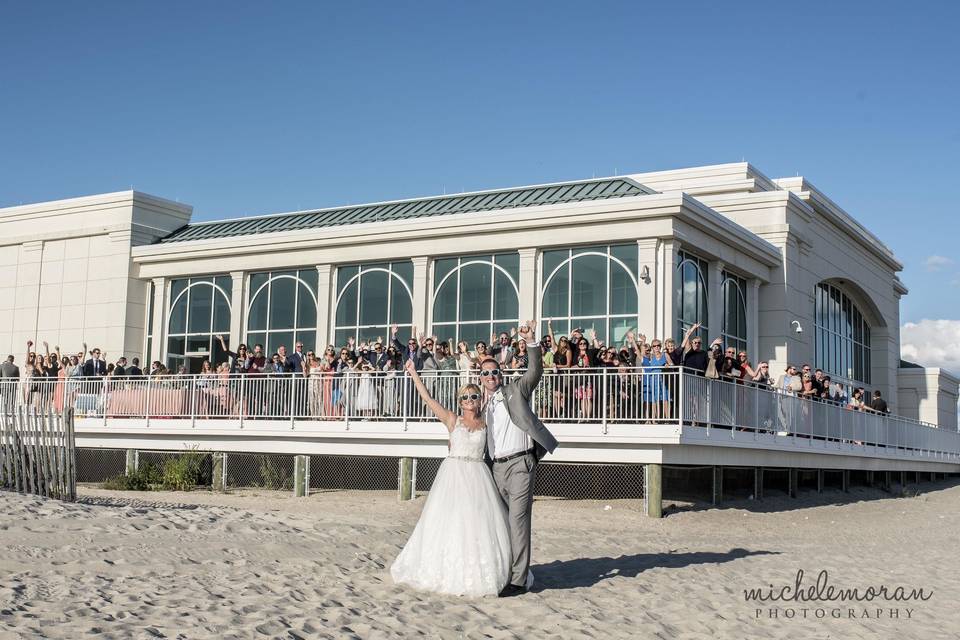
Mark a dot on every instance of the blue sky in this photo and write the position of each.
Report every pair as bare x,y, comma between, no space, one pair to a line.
255,108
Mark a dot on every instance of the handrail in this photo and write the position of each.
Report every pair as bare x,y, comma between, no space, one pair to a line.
602,396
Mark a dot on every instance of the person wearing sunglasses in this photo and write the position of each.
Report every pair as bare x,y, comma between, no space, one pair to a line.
463,504
516,442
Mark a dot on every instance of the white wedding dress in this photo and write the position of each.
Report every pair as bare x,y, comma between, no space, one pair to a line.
461,545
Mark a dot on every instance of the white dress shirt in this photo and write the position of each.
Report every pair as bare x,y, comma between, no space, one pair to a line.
504,438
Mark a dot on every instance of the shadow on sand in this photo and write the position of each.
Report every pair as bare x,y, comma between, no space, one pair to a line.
586,572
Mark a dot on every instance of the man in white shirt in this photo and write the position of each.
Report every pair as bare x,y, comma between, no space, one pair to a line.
516,441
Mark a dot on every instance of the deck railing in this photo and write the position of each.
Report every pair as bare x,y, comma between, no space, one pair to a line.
604,397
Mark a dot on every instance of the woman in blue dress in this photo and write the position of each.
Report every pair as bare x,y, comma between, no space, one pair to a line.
655,391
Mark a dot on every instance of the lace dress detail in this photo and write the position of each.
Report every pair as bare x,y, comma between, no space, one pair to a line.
461,544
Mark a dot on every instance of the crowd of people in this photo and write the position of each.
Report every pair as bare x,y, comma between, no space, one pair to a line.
632,379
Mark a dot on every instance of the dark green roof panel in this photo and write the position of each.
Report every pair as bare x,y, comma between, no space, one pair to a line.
425,207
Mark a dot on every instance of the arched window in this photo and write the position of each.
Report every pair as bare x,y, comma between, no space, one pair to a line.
734,290
371,298
283,310
199,310
691,295
591,288
842,336
475,296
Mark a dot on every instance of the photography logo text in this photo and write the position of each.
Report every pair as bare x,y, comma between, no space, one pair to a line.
822,600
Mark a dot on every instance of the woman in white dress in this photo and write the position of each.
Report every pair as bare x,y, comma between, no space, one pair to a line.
366,393
461,545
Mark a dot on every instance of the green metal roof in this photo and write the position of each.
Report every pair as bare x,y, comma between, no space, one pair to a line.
418,208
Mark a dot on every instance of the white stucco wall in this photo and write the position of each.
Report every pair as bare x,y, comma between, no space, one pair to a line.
929,395
65,271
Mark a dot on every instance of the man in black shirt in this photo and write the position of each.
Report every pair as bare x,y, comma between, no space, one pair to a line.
878,404
135,370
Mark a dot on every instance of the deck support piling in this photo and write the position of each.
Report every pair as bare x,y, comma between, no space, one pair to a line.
219,472
405,483
792,481
845,481
758,483
653,491
819,480
903,480
717,497
870,480
301,476
132,463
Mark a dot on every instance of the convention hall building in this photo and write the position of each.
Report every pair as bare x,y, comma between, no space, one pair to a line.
773,266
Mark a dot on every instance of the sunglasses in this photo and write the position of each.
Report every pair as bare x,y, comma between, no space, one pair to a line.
489,372
470,396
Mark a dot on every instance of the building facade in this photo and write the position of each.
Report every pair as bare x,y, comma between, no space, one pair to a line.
773,267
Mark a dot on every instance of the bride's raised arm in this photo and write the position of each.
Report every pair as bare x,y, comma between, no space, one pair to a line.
447,417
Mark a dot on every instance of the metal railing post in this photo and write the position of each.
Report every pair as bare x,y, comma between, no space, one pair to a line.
403,399
242,405
293,395
681,400
604,400
193,401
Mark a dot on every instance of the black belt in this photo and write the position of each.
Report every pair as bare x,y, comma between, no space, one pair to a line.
515,455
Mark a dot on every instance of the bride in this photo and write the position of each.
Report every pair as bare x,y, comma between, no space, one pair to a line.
461,545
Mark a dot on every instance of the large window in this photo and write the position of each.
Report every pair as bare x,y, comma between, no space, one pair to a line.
842,336
734,290
691,295
283,309
475,296
199,310
591,288
371,298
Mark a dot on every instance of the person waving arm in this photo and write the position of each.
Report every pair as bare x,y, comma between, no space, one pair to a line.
447,417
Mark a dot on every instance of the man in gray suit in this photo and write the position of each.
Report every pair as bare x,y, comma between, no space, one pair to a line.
9,375
516,441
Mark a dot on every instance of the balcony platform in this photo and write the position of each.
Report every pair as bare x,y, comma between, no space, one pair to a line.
584,442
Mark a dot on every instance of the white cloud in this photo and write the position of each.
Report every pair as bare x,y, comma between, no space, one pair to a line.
932,343
938,263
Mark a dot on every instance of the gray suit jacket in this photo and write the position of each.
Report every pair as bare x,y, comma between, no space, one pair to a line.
9,370
517,396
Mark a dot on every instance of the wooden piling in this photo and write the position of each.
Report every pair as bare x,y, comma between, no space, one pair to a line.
653,490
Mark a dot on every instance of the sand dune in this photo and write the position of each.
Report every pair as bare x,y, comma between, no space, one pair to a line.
263,564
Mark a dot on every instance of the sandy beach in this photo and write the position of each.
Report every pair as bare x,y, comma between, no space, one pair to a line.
263,564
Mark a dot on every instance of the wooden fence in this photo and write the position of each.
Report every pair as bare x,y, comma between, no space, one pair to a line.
38,453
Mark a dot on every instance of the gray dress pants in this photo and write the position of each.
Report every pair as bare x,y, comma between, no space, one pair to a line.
514,480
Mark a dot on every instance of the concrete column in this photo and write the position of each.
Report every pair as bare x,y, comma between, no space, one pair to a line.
238,310
653,491
753,321
666,288
158,347
132,462
758,483
301,476
647,287
219,472
405,488
421,297
529,291
792,482
714,301
326,302
717,497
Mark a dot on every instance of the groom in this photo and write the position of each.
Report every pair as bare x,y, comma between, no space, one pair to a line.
516,441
